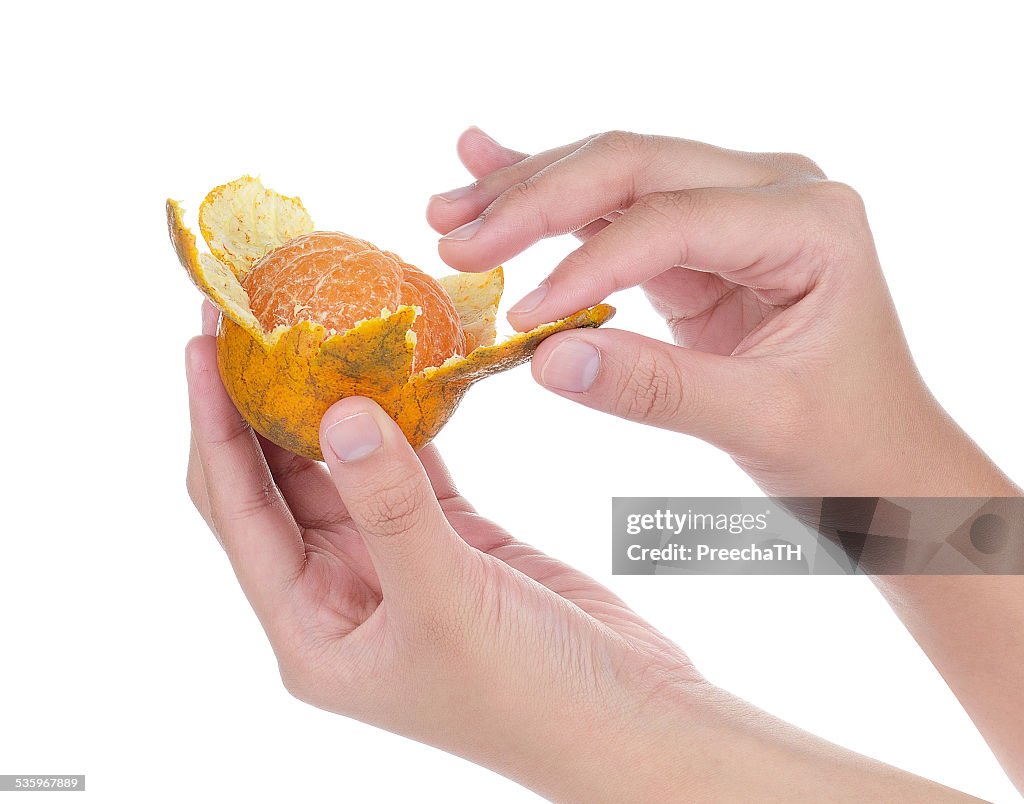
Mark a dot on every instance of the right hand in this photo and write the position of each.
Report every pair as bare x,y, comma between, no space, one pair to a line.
789,354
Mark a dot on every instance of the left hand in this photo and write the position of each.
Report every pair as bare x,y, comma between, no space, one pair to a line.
387,598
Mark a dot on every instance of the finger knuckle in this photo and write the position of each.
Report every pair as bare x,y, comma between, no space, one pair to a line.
492,184
578,269
649,390
677,212
249,504
620,142
674,206
522,198
848,204
394,509
794,166
840,198
293,469
839,220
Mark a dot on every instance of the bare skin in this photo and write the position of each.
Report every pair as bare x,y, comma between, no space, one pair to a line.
388,599
789,354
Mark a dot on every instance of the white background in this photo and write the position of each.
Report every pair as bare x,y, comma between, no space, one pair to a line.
127,651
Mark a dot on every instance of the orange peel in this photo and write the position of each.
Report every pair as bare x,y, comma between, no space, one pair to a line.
283,380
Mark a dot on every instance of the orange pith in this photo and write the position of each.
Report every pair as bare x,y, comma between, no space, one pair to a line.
336,280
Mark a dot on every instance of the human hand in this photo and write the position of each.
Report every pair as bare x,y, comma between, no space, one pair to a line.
790,355
387,598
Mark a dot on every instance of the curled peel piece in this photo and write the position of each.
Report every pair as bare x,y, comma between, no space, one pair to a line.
282,381
430,397
242,220
476,298
213,278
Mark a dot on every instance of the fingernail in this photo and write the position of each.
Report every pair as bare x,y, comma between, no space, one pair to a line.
354,437
572,366
464,232
456,194
530,301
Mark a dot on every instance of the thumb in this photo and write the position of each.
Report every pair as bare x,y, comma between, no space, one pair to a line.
711,396
389,497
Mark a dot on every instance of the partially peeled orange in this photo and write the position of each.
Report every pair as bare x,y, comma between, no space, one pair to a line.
310,317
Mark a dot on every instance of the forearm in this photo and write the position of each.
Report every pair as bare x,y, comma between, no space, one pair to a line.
720,748
784,763
906,446
972,629
970,626
934,457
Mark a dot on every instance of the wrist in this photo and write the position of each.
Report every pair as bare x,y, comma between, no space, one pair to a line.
652,748
927,454
669,735
904,445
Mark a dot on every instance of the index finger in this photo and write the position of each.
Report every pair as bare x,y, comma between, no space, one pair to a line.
259,534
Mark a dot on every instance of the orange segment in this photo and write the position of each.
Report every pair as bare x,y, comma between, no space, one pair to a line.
438,334
336,281
328,278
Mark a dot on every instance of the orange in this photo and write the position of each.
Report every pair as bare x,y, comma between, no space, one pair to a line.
308,318
336,280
